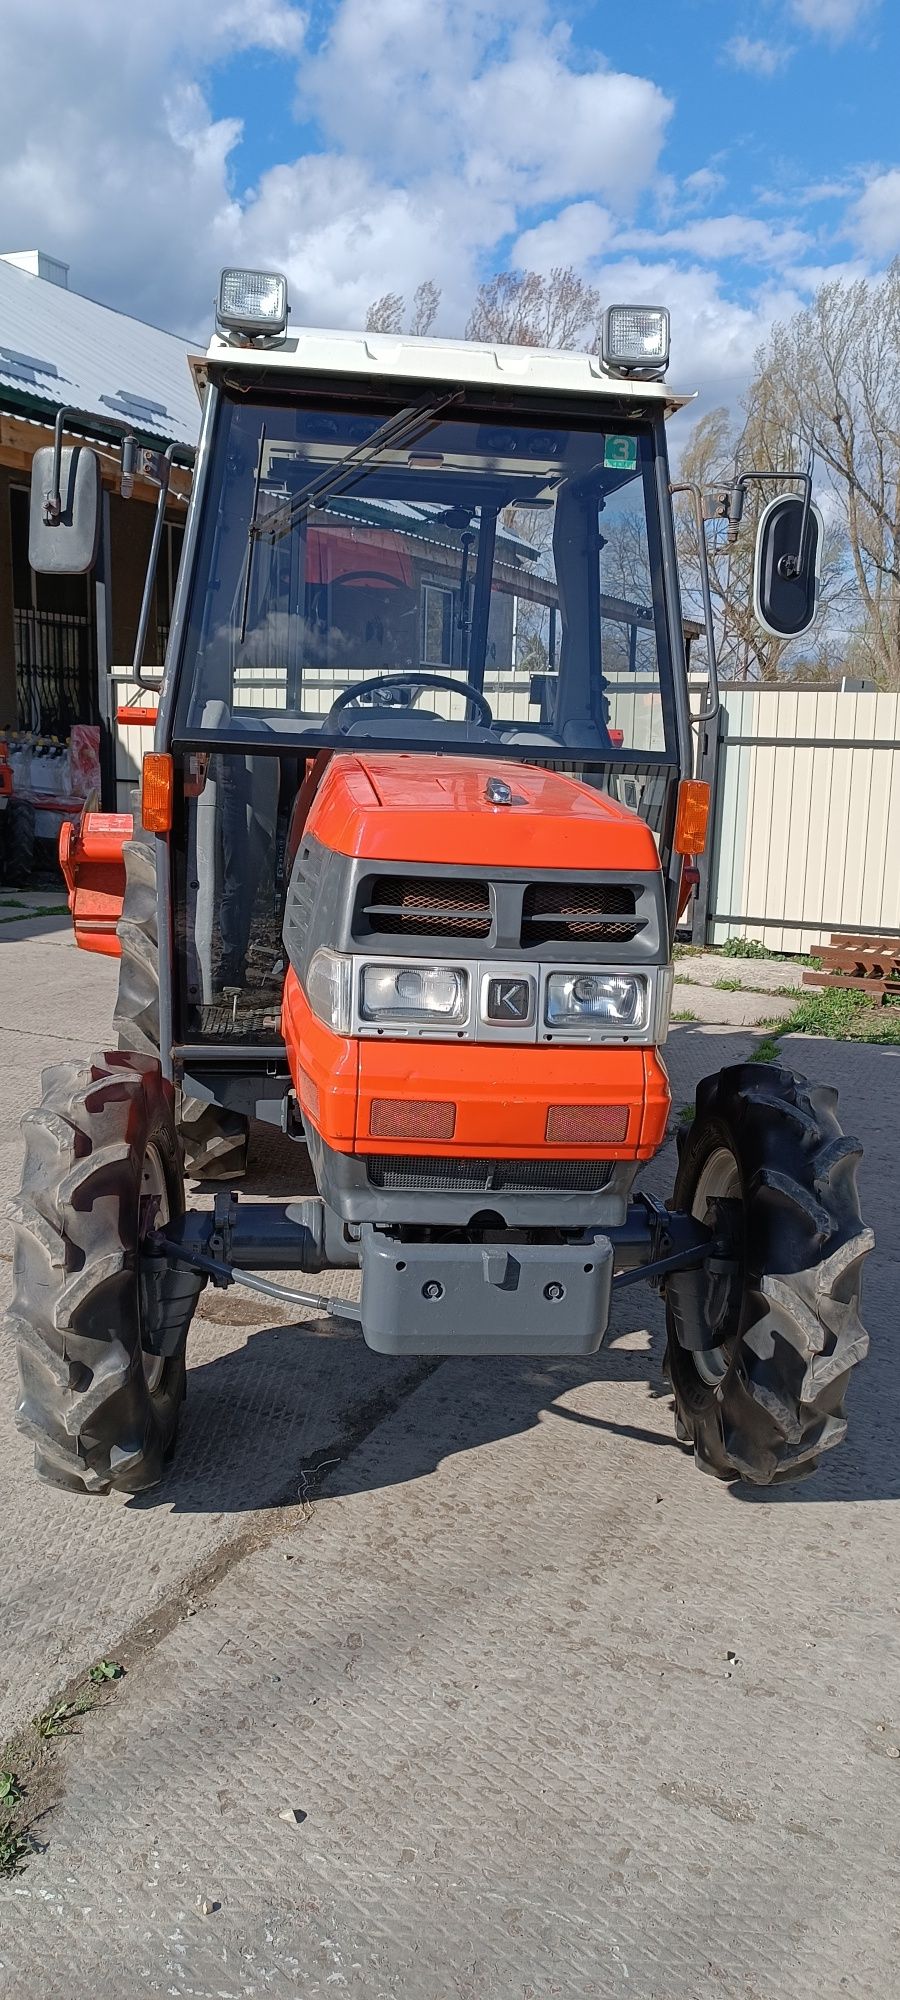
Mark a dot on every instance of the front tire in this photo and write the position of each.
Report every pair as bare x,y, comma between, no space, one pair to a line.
764,1402
214,1141
100,1324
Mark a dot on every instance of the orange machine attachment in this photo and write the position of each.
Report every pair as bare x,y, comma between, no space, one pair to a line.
92,861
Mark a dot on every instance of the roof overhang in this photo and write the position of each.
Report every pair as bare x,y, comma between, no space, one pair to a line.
392,357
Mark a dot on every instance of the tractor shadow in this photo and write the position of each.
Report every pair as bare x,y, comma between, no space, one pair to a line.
270,1420
299,1412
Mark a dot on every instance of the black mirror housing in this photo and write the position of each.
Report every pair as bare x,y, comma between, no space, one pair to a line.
786,576
66,546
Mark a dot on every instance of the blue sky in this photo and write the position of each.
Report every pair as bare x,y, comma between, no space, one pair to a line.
723,158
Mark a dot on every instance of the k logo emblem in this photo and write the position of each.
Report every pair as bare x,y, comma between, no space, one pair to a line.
509,1000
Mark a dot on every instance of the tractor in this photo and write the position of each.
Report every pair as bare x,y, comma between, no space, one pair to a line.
403,881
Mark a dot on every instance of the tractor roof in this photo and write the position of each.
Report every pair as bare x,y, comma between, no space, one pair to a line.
315,351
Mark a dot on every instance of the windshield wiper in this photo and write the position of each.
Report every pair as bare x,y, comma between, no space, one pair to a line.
399,430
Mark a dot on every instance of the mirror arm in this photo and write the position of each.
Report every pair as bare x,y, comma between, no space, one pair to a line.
52,509
150,579
711,705
789,565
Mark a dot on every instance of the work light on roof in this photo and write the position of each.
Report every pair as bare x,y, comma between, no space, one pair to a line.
636,340
253,303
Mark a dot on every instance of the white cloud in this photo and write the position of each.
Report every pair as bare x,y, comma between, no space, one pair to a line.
703,186
836,18
109,157
714,238
714,337
344,236
575,236
875,217
759,57
443,130
489,91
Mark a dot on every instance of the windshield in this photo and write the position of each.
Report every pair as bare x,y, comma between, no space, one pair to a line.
429,578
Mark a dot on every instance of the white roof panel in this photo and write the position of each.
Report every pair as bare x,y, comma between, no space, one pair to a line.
315,351
57,347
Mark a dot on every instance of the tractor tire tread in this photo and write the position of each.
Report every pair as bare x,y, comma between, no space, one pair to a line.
84,1397
780,1403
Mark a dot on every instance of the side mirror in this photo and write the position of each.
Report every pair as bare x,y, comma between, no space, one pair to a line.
786,576
63,539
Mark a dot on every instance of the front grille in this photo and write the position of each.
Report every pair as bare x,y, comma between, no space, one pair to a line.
416,906
579,913
448,1176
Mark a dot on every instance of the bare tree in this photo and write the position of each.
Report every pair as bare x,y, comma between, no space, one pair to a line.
426,302
385,315
835,370
717,449
528,309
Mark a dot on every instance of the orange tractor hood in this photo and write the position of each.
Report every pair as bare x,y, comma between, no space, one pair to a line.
424,808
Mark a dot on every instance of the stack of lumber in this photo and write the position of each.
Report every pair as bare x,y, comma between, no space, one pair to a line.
868,965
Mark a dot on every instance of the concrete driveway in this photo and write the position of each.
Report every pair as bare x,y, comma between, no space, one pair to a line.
558,1716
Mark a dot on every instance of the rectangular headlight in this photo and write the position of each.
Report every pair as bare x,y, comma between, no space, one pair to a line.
417,995
596,1001
252,302
636,339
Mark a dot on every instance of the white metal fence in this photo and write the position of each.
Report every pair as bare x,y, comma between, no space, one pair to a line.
806,826
806,830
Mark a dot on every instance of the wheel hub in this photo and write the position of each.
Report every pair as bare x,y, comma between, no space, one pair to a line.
154,1214
717,1200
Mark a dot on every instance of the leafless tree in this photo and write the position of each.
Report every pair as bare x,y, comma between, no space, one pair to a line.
529,309
385,315
426,302
718,448
835,372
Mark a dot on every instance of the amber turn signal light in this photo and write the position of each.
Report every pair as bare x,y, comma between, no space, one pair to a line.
692,816
411,1118
157,791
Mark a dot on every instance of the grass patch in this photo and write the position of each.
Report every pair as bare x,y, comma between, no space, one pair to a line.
738,947
30,1783
837,1013
687,1114
15,1844
729,985
58,1720
29,912
844,1015
767,1051
684,1014
105,1670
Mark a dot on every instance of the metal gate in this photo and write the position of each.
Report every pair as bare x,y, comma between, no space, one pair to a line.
56,678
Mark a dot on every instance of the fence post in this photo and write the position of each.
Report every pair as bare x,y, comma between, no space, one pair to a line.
708,770
105,689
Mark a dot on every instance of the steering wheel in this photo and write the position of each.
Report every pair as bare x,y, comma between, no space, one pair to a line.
349,695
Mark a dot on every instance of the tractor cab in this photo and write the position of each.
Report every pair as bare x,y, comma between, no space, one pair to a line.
409,549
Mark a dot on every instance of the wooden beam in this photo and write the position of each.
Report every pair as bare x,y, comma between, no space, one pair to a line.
19,440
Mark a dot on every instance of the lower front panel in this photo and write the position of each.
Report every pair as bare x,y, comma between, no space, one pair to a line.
503,1297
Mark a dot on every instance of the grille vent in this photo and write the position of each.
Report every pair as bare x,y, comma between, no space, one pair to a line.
579,913
411,906
456,1176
